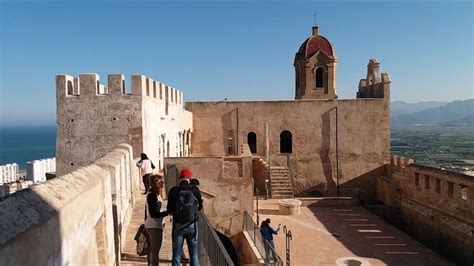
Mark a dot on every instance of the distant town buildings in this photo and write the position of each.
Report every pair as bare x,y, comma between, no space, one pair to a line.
12,179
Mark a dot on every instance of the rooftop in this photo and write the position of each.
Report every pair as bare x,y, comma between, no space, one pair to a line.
327,235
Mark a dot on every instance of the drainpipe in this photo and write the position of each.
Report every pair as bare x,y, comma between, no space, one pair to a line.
290,170
237,135
337,152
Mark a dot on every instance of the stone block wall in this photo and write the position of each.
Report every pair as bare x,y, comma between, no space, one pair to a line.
226,188
436,206
93,118
71,219
363,135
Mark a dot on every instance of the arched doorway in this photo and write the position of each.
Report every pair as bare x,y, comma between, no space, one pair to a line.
286,142
252,142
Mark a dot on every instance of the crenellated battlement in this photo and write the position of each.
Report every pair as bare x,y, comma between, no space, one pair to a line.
400,162
375,85
88,85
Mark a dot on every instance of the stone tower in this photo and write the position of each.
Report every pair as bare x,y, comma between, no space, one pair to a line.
315,68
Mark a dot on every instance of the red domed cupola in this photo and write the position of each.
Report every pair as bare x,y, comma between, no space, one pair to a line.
315,68
316,42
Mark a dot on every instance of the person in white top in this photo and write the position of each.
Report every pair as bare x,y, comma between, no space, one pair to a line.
146,169
154,218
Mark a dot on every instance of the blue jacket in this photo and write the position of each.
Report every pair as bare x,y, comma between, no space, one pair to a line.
268,232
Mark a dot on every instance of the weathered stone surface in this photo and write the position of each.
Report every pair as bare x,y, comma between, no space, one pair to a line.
436,206
226,196
90,124
363,135
69,219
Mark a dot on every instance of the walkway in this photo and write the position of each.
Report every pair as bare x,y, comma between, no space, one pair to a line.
322,235
129,255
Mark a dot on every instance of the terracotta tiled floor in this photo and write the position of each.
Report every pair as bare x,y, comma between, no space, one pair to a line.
321,235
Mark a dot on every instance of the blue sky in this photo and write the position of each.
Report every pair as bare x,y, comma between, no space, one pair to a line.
235,50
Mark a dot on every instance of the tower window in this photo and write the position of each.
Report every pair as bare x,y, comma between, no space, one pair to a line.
230,143
286,142
252,141
70,88
319,77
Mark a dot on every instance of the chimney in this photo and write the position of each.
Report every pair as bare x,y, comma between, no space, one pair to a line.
315,30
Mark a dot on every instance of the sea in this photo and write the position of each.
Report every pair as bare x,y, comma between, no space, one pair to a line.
22,144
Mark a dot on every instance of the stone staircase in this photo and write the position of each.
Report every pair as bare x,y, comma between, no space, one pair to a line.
280,183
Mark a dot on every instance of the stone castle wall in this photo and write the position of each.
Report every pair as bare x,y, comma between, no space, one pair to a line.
226,187
436,206
363,134
74,219
93,118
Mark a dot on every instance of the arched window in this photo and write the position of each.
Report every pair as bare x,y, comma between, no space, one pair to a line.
252,141
70,88
230,143
285,142
319,77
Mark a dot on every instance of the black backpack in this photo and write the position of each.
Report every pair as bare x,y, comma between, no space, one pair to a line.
186,207
142,241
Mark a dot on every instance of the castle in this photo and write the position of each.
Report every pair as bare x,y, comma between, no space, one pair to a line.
314,142
319,139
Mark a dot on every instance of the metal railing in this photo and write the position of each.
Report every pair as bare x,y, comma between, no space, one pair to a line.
266,250
211,249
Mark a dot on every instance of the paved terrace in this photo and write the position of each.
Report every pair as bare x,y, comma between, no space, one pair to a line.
322,235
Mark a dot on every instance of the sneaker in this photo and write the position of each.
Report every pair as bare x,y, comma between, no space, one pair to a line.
184,259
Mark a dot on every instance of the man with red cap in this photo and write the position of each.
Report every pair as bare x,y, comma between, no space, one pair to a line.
184,201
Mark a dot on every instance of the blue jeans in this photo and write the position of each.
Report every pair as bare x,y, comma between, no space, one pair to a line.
191,235
270,255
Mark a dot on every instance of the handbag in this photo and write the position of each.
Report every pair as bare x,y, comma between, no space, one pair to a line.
142,239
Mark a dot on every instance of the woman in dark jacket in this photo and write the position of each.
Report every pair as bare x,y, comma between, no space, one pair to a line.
154,222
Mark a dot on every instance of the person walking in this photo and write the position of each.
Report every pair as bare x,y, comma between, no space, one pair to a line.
146,169
267,233
154,220
184,202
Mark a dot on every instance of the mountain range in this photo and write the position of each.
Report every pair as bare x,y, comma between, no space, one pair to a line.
456,114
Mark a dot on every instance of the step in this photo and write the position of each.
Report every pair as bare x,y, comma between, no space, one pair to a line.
280,174
286,184
282,196
280,178
281,186
280,181
282,190
279,171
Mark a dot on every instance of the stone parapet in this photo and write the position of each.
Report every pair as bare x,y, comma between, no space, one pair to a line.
71,219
